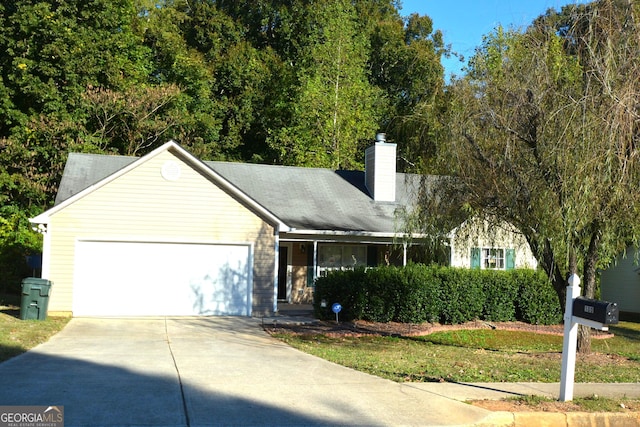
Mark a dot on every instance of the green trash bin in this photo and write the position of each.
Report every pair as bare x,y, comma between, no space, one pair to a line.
35,298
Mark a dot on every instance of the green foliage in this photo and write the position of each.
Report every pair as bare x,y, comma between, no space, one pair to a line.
501,297
462,296
17,241
405,63
384,291
419,293
346,288
336,110
287,82
543,130
420,297
54,50
536,304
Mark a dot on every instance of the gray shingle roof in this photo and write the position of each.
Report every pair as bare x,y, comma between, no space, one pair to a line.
83,170
302,198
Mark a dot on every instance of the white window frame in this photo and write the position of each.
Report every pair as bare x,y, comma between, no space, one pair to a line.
495,256
340,263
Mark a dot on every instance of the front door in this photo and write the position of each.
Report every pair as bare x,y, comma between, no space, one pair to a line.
282,272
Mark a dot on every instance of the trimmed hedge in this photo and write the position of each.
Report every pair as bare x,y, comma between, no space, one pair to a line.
419,293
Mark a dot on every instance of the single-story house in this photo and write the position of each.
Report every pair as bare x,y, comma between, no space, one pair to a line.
169,234
620,283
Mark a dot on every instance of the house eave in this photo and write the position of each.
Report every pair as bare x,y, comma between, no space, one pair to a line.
43,218
348,235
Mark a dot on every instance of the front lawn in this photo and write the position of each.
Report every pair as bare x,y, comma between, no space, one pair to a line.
18,336
478,355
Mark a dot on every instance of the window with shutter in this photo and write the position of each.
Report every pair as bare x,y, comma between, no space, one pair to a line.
493,258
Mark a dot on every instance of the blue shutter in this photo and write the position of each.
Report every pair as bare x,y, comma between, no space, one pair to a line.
475,258
510,259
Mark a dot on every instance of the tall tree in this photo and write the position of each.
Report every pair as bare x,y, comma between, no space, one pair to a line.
405,64
336,108
544,135
228,78
50,52
53,50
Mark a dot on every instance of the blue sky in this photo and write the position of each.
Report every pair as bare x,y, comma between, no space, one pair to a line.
464,22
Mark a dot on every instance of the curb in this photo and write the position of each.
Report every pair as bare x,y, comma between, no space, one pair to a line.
560,419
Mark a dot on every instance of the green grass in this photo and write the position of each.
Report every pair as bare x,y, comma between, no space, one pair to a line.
602,404
479,356
625,343
18,336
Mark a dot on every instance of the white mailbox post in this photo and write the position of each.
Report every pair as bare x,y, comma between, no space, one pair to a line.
569,342
604,313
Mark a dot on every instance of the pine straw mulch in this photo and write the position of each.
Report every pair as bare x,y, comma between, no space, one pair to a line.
364,328
630,406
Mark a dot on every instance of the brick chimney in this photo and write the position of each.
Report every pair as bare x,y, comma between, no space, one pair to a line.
380,170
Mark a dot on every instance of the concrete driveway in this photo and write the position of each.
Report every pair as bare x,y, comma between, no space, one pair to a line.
206,372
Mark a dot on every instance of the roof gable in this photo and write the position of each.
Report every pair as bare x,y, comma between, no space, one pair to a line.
85,173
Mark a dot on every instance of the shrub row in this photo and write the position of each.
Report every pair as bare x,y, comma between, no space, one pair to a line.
419,293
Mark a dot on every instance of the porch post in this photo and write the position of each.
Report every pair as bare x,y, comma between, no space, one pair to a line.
276,269
404,254
315,260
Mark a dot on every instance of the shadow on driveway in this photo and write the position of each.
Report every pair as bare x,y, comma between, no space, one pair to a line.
100,395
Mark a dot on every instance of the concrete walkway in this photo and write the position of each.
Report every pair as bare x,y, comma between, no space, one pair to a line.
207,372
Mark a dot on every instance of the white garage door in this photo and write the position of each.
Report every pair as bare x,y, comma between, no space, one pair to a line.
161,279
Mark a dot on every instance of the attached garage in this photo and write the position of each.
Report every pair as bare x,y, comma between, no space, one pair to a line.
161,279
159,235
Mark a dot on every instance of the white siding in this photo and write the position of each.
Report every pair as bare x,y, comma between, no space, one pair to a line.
473,235
380,171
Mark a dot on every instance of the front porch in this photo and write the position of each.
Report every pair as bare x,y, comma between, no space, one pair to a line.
302,262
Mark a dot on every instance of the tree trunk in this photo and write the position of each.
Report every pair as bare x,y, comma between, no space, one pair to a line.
589,285
590,263
584,339
549,265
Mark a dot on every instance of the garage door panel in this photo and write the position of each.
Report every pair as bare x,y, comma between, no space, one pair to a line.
146,279
224,291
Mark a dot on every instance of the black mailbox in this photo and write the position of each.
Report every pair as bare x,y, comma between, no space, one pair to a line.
599,311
